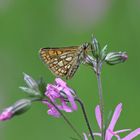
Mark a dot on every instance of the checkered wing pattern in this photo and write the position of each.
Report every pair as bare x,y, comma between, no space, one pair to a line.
63,62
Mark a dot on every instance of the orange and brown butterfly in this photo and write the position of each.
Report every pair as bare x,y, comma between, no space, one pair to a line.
63,62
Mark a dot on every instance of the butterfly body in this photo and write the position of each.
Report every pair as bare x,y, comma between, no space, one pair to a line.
63,62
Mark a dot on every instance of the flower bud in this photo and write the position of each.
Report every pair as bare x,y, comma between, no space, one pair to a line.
18,108
6,114
116,57
95,48
41,85
103,53
30,82
91,62
21,106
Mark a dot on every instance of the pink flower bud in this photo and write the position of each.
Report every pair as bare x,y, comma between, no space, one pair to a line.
6,114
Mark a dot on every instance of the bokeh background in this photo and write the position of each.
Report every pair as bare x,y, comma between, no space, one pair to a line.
26,26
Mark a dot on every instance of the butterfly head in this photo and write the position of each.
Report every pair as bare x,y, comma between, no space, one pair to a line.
87,47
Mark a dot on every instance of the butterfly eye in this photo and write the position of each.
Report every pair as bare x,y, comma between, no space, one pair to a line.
86,45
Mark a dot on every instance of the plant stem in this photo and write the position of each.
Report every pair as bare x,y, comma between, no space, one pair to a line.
64,117
67,121
101,103
85,117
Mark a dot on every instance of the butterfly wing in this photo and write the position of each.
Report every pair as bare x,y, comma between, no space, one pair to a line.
61,61
75,63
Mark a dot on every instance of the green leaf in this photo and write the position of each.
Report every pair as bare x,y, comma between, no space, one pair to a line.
41,85
30,91
103,53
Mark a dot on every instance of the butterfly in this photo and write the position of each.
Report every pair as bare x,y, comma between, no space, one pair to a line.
64,62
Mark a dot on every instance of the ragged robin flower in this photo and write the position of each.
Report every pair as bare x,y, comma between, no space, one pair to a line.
110,133
62,93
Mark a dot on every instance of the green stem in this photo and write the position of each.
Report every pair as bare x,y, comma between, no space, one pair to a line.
64,117
101,104
67,121
85,117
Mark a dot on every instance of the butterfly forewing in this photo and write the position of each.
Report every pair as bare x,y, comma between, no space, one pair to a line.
63,62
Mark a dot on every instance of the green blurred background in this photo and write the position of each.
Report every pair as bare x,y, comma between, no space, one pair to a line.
26,26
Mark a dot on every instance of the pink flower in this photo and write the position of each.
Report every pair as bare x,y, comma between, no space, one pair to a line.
110,133
110,130
60,91
6,114
52,110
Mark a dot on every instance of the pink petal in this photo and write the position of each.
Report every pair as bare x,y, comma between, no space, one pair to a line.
85,136
121,131
71,99
53,112
67,90
98,115
66,107
132,135
118,137
60,82
6,114
52,91
110,134
115,117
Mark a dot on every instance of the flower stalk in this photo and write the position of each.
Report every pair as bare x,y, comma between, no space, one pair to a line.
67,121
101,105
99,57
86,118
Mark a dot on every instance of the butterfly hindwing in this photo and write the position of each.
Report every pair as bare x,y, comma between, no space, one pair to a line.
59,60
63,62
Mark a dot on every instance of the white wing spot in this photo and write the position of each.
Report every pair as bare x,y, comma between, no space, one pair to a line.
55,62
62,71
63,56
60,63
68,58
55,59
67,66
